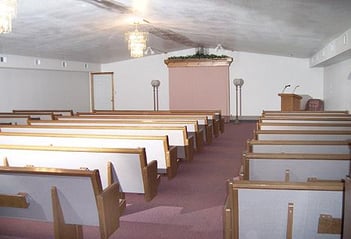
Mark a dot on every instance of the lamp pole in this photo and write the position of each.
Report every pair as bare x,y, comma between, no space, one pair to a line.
155,84
238,84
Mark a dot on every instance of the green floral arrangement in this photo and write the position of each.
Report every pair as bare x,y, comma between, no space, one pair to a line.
198,56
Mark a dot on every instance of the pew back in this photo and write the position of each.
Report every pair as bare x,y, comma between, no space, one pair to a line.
156,147
304,126
68,198
54,112
177,136
215,116
302,135
281,210
13,120
192,126
128,167
295,167
334,120
297,146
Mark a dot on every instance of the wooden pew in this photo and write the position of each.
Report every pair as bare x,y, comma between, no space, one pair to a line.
304,126
277,210
202,120
177,136
128,167
191,125
297,146
33,115
302,135
43,194
299,119
54,112
305,112
295,167
347,209
340,113
13,119
214,116
156,147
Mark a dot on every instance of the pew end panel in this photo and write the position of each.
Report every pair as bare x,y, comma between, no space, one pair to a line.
172,162
151,179
347,209
68,198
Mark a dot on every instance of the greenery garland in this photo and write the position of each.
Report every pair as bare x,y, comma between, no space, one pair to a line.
198,56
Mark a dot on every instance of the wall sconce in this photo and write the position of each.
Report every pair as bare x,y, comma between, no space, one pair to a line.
155,84
238,84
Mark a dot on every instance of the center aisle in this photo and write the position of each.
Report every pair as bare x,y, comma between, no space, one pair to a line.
190,205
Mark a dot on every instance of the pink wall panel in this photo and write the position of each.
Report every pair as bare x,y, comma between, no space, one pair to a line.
199,87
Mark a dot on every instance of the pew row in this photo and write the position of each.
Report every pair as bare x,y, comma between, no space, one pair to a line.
307,115
203,122
304,126
302,135
279,210
191,125
299,119
214,116
156,147
177,136
128,167
295,167
54,112
302,112
32,115
68,198
297,146
13,120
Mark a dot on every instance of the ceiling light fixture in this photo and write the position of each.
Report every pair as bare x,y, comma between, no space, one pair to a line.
219,48
136,42
149,51
8,11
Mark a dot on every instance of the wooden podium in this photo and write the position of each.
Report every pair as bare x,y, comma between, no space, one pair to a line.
290,102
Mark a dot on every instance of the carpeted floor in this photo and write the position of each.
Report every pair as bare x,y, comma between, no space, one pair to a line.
188,206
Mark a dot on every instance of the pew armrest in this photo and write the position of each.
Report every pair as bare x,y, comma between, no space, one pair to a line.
17,201
109,210
151,180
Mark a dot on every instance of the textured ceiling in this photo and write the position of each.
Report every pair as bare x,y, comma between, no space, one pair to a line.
93,30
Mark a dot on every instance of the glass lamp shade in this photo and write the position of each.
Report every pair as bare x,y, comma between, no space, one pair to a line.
155,83
238,82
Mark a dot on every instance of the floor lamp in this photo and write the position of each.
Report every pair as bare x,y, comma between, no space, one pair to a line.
238,84
155,84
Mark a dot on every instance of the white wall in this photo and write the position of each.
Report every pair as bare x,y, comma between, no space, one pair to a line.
133,78
26,85
43,89
40,83
264,77
337,86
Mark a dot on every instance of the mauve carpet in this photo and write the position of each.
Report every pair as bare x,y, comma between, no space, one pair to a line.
190,206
